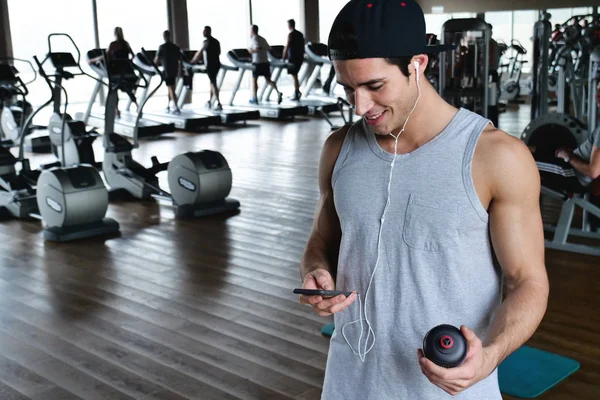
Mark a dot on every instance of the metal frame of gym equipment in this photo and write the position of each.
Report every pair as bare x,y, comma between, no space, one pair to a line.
570,56
542,30
564,228
315,55
464,72
14,113
559,124
17,188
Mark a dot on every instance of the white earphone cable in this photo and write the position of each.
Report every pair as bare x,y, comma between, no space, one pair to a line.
370,330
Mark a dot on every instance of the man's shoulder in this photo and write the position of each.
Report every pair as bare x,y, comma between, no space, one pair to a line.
596,136
494,140
505,160
334,141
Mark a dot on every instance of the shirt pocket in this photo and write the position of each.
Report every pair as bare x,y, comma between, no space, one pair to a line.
429,225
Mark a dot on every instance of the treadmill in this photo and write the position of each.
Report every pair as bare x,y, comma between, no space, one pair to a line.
316,106
229,115
125,125
315,56
242,59
187,120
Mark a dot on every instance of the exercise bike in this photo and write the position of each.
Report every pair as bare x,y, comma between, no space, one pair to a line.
199,182
511,89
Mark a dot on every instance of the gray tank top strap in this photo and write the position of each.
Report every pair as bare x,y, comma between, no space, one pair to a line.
467,169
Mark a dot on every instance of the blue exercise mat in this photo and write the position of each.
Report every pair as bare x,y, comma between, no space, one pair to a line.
526,373
327,330
529,372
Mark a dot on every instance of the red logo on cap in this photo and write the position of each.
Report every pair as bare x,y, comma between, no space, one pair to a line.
369,5
403,4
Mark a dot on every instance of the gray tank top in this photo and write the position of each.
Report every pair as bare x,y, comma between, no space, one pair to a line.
435,267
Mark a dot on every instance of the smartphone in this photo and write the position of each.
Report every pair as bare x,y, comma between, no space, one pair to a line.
320,292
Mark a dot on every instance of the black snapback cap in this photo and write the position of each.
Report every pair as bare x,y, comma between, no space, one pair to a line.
380,29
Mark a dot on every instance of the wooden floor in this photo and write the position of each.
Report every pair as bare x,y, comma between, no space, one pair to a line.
203,308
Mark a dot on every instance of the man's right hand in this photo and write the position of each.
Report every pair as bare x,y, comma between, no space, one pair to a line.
321,279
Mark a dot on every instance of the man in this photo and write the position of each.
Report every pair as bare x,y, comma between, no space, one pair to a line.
293,52
574,170
585,159
169,56
417,198
259,49
210,51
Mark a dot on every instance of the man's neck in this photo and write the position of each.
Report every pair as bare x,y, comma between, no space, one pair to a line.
421,127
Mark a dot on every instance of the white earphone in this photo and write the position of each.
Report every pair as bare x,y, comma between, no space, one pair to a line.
416,64
362,350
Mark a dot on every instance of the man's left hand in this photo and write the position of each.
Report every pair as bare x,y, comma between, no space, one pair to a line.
477,366
564,153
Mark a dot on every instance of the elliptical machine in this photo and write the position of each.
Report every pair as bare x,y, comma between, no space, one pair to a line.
17,189
199,181
71,142
15,111
72,198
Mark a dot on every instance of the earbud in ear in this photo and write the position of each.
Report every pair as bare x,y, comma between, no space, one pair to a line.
416,64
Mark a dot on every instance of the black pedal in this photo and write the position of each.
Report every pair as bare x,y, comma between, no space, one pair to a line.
118,144
51,165
6,157
157,166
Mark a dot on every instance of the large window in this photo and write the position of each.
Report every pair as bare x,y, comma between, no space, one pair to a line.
271,18
435,22
523,22
328,10
582,10
559,15
143,22
31,21
231,28
501,22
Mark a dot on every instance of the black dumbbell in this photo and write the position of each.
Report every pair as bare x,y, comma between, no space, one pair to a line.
445,345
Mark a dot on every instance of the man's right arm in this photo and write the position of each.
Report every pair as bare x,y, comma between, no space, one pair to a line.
198,54
287,46
319,262
158,56
325,236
